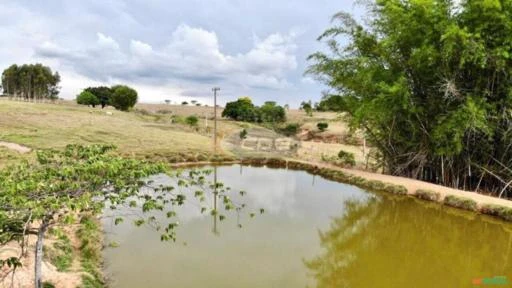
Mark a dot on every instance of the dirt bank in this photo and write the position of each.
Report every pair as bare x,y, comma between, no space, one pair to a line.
15,147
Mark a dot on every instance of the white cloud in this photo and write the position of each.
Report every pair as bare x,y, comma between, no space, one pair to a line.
107,42
307,80
191,55
140,48
145,43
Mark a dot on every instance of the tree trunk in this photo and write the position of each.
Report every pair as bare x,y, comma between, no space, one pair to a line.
39,255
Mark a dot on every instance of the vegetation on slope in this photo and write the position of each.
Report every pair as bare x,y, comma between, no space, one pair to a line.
429,83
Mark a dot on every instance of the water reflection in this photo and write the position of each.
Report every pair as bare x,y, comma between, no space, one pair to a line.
215,208
367,240
387,242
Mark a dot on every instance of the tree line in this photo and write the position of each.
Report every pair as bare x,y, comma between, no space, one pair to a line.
30,82
120,97
244,110
430,83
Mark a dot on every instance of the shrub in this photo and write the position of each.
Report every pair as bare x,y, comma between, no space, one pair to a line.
184,103
87,98
307,107
290,129
104,94
322,126
428,195
244,110
395,189
123,97
241,110
271,112
502,212
460,202
347,158
243,134
192,120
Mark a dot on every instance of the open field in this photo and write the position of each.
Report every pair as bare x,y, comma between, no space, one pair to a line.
153,131
37,125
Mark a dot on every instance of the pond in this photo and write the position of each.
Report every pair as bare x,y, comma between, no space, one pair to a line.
313,233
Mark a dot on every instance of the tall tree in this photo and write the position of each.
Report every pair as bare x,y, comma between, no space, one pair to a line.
430,82
31,82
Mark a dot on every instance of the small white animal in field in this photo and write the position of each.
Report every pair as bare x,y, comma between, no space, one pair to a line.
109,113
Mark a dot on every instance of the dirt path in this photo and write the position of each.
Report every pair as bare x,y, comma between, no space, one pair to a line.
16,147
412,185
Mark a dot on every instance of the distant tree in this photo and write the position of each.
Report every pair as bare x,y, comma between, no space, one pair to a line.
192,120
193,102
271,112
103,93
331,103
290,129
87,98
286,107
241,110
307,107
322,126
123,97
243,134
31,82
347,158
184,103
198,104
167,101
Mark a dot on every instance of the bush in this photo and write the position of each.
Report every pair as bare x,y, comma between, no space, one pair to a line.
322,126
502,212
307,107
244,110
347,158
460,202
243,134
290,129
87,98
428,195
184,103
271,112
192,120
123,97
241,110
104,94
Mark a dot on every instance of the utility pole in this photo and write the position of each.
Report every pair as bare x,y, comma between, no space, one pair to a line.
215,89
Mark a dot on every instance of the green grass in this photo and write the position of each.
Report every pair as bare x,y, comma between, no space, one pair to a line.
60,253
460,202
427,195
502,212
9,157
90,238
38,125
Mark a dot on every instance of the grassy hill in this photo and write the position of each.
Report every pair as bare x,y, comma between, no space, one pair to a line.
39,125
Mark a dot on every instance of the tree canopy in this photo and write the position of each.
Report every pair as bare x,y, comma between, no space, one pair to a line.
31,82
430,82
244,110
103,93
123,97
87,98
331,103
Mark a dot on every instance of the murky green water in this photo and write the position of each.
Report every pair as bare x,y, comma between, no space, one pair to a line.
314,233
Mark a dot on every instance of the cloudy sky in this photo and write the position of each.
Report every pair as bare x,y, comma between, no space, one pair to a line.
170,49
